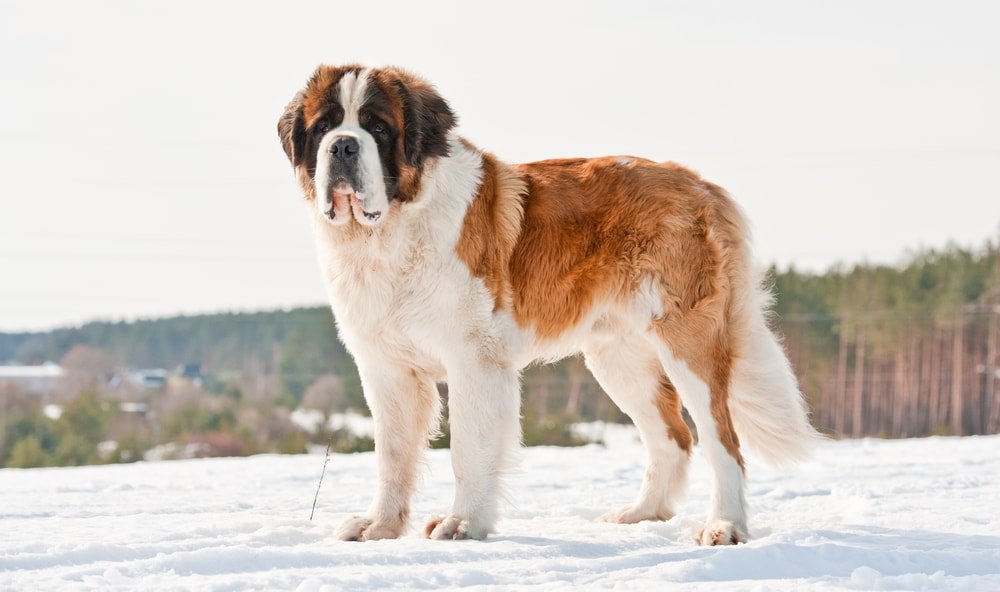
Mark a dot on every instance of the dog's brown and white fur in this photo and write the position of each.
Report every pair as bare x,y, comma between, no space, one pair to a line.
444,264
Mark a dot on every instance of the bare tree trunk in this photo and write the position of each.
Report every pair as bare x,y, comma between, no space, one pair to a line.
926,364
957,373
859,374
825,400
840,395
912,386
873,384
899,392
992,397
541,393
944,404
876,399
934,381
575,385
885,396
974,402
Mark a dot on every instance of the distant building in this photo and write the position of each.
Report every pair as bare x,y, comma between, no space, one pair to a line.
37,380
151,379
191,372
142,379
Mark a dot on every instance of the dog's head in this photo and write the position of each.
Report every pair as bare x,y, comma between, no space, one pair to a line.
359,138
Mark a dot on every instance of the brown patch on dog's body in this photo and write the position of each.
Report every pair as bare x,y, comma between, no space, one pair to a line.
668,403
592,230
491,228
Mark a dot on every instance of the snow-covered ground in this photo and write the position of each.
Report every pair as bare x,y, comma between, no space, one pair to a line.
310,420
863,515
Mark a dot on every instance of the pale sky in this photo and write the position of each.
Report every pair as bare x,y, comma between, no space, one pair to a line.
141,175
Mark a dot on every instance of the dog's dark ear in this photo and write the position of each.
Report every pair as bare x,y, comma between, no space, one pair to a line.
427,119
292,130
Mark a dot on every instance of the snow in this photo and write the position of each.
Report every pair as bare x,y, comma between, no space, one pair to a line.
53,412
862,515
307,419
355,423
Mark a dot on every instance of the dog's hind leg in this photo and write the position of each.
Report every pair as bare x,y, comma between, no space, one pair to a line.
629,371
698,361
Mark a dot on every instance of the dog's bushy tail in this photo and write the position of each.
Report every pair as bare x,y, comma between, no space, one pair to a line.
768,410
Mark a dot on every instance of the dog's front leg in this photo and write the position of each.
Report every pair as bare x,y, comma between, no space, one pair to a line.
404,407
483,405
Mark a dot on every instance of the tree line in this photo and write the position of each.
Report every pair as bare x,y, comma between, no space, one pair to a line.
880,350
898,351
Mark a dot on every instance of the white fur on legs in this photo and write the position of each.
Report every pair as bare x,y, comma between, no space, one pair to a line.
628,369
404,408
356,528
727,519
483,407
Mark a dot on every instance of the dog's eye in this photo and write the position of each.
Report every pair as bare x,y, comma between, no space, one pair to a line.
321,128
379,128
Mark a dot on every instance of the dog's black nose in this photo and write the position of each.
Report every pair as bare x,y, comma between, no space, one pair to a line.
345,148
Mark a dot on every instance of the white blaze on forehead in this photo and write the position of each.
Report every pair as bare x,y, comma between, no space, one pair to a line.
353,92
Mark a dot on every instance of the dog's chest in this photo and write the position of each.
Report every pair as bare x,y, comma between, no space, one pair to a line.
393,302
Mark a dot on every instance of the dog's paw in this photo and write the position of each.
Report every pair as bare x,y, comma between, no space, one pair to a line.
632,514
452,527
362,528
721,532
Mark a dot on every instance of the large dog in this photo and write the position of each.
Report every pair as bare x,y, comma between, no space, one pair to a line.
445,264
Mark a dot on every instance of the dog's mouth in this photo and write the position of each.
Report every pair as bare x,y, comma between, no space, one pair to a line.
345,199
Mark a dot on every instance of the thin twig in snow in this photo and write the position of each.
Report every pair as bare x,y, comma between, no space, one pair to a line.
320,484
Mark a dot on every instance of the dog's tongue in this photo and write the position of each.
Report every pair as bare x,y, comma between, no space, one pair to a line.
341,195
342,186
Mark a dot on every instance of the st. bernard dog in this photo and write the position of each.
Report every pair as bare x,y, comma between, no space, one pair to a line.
443,263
